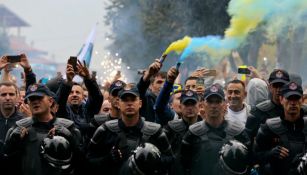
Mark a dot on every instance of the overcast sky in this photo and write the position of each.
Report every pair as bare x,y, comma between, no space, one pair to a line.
60,27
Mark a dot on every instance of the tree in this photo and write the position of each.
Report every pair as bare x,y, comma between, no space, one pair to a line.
141,30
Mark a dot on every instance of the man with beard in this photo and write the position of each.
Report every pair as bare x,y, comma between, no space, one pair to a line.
71,99
237,109
203,141
281,139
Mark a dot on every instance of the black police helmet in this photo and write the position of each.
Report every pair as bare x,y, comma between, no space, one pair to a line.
233,158
57,152
146,160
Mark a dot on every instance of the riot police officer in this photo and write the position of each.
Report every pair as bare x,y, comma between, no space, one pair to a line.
281,139
175,129
202,143
114,141
270,108
23,141
99,119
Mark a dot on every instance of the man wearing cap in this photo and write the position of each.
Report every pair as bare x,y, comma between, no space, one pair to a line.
114,141
203,141
71,99
175,129
99,119
270,108
23,141
282,138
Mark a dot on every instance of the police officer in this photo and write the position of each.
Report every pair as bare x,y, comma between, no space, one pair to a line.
99,119
114,141
282,138
270,108
175,129
202,143
23,141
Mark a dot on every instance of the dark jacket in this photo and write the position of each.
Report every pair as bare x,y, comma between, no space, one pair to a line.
279,132
30,79
202,143
259,114
163,111
148,101
23,155
86,111
7,123
114,134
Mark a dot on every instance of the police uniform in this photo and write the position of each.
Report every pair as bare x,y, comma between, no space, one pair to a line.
266,109
280,132
175,130
202,143
25,153
114,134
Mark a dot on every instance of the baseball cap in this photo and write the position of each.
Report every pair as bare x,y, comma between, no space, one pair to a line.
296,78
214,89
38,89
116,86
291,89
128,91
188,95
279,76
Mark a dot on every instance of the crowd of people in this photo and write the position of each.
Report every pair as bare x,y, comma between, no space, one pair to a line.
155,126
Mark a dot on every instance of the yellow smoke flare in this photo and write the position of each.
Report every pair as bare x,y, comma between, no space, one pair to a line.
178,46
246,16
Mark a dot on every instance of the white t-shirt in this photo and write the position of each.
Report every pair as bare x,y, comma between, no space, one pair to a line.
237,116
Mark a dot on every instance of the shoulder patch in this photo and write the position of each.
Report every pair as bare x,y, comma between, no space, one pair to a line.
150,128
198,128
265,106
26,122
233,128
112,125
177,125
275,125
63,122
101,118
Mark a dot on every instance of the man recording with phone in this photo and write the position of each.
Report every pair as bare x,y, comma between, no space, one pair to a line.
71,97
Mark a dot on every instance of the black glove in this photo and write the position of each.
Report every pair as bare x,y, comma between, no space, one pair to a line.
17,135
62,131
